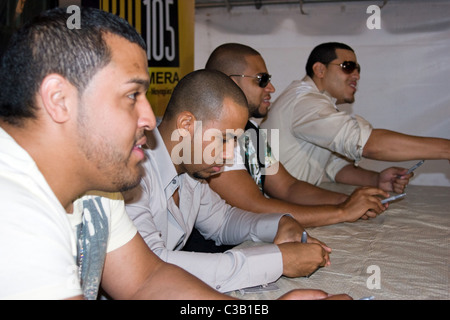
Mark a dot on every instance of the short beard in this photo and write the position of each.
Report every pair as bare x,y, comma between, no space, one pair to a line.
130,185
254,112
198,176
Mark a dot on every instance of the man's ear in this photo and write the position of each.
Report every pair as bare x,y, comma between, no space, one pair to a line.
55,93
185,123
319,69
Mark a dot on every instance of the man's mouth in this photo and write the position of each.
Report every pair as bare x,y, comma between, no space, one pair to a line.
217,169
354,85
138,148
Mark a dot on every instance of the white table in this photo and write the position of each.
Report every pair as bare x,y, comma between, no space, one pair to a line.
402,254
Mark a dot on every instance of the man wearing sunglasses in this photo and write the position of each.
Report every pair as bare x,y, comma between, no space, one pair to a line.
316,139
304,201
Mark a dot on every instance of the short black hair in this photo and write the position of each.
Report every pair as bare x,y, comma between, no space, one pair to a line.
230,58
324,53
202,92
47,45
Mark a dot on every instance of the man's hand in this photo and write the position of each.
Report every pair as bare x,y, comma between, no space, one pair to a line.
289,230
394,179
363,203
302,259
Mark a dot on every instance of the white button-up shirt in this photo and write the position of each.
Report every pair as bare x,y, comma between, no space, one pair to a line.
166,227
316,139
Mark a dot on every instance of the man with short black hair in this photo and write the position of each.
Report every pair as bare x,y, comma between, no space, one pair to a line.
317,140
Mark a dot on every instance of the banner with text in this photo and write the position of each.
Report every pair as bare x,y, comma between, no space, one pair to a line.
167,26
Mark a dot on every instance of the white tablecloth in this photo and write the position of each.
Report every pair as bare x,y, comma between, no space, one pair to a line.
402,254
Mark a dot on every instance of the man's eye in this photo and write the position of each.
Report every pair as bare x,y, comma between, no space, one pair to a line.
133,96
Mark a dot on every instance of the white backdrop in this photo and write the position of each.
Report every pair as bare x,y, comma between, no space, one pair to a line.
405,78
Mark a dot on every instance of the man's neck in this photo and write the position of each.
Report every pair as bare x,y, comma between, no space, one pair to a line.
51,158
166,130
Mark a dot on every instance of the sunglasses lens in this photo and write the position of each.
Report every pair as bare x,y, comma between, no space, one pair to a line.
264,80
350,66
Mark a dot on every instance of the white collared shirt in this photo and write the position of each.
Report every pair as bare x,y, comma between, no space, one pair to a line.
316,139
166,227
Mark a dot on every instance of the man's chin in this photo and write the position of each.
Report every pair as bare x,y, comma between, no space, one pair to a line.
131,184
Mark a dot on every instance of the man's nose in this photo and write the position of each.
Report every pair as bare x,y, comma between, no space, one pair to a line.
147,119
228,151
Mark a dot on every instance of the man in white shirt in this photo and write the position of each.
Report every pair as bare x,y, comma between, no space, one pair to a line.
195,139
316,139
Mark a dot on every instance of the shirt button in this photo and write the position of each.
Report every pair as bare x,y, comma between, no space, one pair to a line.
218,287
174,181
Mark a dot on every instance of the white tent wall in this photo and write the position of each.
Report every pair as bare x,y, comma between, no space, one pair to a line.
404,83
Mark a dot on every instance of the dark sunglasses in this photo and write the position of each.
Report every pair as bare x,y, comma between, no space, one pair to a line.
263,78
349,66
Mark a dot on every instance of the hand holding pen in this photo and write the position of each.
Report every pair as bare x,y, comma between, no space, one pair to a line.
395,178
414,167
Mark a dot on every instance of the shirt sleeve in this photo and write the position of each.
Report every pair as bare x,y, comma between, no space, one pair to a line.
122,228
318,122
240,268
234,269
226,224
334,165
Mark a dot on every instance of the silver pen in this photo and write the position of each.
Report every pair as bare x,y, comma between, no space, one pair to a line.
304,237
414,167
393,198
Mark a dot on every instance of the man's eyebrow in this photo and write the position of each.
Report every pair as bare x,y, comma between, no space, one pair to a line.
143,82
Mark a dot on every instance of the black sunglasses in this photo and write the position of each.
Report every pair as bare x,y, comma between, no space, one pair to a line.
349,66
263,78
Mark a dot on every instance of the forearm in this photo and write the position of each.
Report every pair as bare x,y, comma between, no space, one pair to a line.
393,146
306,215
357,176
285,187
304,193
251,199
133,271
170,282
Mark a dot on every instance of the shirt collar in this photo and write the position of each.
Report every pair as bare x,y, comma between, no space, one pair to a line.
311,83
166,169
